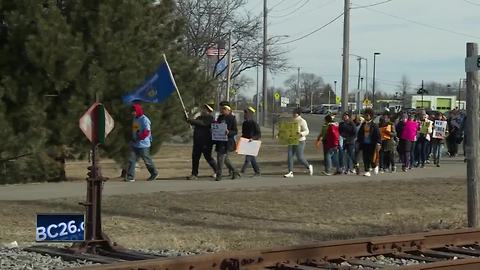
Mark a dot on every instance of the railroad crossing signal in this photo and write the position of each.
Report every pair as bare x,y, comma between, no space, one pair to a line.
96,123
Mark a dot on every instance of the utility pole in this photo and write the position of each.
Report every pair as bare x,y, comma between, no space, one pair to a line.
257,102
346,49
298,88
358,83
264,83
373,86
472,134
229,67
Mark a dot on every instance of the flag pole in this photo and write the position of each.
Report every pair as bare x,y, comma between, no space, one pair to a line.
176,88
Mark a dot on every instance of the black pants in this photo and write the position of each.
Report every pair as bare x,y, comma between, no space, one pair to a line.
198,150
368,150
387,159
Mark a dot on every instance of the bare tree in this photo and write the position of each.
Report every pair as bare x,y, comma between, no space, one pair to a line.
312,88
208,24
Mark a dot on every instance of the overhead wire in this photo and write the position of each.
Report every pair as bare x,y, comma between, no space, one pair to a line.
291,12
277,4
288,8
372,5
472,3
312,32
423,24
310,10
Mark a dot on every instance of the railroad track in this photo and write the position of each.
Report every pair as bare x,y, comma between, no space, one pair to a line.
454,249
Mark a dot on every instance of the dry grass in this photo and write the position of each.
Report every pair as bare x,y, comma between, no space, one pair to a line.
260,218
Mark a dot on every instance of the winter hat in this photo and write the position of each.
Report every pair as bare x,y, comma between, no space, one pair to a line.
138,109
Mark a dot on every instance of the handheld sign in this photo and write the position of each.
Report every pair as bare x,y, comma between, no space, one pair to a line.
219,132
439,129
248,147
287,134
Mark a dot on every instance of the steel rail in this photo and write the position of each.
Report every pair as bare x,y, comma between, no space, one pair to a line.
439,249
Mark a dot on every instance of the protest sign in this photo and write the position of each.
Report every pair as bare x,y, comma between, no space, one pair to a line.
288,133
248,147
219,132
439,129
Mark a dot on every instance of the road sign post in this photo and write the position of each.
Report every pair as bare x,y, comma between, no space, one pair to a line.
96,124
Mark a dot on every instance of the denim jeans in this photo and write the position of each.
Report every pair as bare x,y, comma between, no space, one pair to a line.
135,154
250,160
332,160
296,150
437,151
348,157
421,150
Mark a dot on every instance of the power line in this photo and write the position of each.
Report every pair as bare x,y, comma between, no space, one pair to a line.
290,7
310,10
424,24
472,3
278,4
376,4
292,12
314,31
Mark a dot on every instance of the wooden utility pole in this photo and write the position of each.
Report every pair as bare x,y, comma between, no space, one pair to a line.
298,88
264,56
346,53
229,67
472,138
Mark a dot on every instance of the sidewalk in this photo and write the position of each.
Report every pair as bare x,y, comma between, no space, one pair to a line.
451,169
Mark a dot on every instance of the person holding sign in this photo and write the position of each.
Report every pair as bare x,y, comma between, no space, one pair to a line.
426,128
438,137
202,140
298,149
251,131
223,148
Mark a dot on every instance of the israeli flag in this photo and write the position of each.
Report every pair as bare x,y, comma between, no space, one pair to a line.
155,88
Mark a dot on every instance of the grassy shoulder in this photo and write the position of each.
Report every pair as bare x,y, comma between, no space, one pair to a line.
231,220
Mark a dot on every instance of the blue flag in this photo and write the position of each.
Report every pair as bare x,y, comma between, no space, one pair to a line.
156,88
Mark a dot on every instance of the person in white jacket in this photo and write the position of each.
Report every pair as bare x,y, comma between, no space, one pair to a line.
297,150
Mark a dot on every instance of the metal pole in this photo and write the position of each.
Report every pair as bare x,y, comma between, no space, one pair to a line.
459,87
298,88
257,102
346,49
264,83
335,83
311,101
373,85
229,68
472,139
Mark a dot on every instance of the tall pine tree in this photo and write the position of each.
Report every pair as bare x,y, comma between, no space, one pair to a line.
57,56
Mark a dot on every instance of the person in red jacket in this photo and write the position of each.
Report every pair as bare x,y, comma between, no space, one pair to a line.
332,145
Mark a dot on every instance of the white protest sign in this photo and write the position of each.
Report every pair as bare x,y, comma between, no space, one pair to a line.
284,101
219,132
439,129
248,147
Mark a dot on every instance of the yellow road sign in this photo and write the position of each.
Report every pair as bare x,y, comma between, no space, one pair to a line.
277,96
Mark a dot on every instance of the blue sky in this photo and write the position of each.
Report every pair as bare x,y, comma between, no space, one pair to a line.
422,39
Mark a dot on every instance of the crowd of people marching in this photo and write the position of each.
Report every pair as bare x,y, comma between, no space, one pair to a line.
406,137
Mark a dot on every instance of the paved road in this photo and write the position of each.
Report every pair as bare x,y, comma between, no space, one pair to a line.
451,169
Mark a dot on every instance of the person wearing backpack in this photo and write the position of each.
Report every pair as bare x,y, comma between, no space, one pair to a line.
387,152
332,146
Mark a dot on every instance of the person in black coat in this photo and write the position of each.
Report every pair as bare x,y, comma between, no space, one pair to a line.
348,131
250,130
223,148
370,141
202,140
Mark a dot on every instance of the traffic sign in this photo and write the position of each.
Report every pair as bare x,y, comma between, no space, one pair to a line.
367,102
277,96
472,63
338,100
96,123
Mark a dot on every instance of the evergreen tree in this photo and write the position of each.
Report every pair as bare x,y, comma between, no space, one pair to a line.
58,56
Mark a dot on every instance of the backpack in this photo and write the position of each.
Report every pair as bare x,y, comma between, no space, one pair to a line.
333,136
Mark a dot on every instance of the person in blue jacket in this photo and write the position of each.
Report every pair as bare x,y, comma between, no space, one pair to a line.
140,144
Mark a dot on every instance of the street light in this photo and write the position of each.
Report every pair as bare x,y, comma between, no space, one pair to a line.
334,82
373,86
